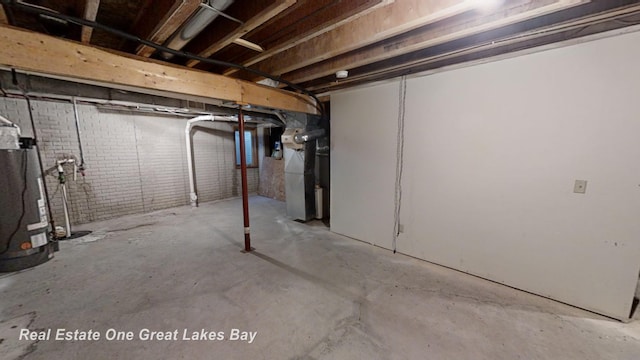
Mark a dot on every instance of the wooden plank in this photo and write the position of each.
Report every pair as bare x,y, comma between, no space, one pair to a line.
248,44
256,20
161,19
516,11
3,16
46,55
271,182
90,13
304,21
381,24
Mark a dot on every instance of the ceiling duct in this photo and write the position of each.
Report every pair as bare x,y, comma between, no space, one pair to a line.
208,11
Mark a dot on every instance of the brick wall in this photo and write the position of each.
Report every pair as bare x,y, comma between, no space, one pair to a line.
214,154
135,162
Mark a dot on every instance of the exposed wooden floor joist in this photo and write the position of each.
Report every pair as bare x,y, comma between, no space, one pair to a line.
324,16
161,19
493,44
383,23
90,13
254,21
517,11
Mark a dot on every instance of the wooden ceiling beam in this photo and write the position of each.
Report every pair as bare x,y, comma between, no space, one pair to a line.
54,57
308,19
457,28
90,13
381,24
573,26
253,21
161,19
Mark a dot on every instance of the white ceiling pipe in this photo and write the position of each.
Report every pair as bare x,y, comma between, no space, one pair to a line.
193,197
209,11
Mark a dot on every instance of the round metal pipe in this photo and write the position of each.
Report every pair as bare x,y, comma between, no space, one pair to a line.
308,136
243,175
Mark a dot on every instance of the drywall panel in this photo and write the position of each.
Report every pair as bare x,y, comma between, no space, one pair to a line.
492,154
363,158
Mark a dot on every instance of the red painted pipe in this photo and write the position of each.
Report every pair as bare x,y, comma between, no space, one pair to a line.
243,175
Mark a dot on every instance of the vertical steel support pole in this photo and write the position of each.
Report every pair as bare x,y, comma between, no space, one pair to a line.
243,174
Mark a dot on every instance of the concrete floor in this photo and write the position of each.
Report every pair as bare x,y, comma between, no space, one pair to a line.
308,293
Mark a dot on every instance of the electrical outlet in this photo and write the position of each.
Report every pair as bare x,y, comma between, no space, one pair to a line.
580,187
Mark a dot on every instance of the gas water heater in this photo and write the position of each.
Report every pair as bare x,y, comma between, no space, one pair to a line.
24,227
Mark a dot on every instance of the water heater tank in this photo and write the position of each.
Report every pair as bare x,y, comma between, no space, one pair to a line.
24,227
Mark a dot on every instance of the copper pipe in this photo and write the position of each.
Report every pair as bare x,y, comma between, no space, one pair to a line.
243,175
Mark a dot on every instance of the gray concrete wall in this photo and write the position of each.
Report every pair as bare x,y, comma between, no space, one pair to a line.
135,162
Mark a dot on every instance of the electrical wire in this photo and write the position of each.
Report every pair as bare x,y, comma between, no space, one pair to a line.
397,198
83,22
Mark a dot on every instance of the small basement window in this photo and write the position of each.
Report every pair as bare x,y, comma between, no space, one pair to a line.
251,147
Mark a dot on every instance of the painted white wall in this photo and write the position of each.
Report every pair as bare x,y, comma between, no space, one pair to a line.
136,162
363,158
491,155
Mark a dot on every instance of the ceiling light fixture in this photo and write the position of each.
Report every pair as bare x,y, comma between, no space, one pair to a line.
342,74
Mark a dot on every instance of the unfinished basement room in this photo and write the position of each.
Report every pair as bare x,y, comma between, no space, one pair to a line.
320,179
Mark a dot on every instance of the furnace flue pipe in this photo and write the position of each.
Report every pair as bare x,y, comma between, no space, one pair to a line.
309,135
243,175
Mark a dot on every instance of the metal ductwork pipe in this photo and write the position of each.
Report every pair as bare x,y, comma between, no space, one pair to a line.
299,165
208,11
309,135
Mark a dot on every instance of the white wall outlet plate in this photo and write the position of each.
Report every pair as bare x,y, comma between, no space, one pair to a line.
580,187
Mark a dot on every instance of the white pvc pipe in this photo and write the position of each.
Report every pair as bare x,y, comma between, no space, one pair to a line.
193,197
8,122
65,195
319,214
